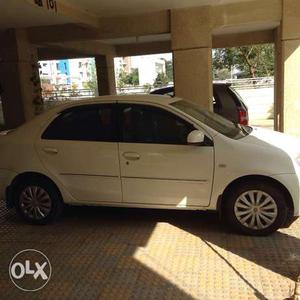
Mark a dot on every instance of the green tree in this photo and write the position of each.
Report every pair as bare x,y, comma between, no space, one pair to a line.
121,78
92,84
254,61
169,70
133,77
222,74
161,80
128,79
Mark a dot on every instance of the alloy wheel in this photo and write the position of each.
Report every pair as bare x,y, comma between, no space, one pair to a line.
255,209
35,202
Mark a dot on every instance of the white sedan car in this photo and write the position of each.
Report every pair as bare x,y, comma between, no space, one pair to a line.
150,152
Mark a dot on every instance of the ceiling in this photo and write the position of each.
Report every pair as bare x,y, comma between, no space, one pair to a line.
243,28
108,8
139,39
21,13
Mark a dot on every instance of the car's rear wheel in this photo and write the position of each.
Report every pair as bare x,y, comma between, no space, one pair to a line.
255,208
37,200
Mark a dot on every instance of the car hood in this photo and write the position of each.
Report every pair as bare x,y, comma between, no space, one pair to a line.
265,138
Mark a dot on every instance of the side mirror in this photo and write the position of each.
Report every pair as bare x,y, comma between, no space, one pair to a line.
196,137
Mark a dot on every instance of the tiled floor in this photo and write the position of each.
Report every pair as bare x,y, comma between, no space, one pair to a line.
108,253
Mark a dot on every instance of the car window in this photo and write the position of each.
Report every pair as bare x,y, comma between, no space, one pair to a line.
148,124
213,120
237,97
226,101
84,123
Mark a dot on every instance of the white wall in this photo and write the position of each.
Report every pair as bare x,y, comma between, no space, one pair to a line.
80,71
260,102
148,66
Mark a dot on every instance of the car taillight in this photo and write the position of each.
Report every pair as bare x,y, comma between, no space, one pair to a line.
242,116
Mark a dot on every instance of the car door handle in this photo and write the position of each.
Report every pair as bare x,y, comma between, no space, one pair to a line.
131,155
50,150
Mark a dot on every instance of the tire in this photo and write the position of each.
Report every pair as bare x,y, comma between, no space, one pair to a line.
37,200
259,201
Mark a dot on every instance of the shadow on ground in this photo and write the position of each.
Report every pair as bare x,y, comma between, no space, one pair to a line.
92,252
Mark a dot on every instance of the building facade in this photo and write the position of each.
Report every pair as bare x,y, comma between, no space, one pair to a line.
148,66
69,73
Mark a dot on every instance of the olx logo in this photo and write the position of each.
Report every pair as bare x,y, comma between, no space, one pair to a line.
30,270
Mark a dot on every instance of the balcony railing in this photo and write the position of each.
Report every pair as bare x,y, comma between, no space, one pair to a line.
67,94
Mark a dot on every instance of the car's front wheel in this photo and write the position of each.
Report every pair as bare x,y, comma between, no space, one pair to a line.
255,208
37,200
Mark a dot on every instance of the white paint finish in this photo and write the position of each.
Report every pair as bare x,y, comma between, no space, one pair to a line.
166,174
264,152
261,153
93,189
176,193
291,182
89,170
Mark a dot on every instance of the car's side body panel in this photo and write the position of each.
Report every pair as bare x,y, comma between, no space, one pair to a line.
249,157
22,151
177,175
88,170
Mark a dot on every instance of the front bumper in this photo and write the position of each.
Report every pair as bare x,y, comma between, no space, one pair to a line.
292,184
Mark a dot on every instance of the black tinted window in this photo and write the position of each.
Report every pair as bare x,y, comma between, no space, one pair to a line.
146,124
84,123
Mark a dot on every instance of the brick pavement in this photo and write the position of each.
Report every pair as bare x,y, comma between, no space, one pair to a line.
112,253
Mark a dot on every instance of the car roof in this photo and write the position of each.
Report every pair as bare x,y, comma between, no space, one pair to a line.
171,87
146,98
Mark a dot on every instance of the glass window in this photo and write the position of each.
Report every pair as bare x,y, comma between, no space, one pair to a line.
225,99
147,124
215,121
84,123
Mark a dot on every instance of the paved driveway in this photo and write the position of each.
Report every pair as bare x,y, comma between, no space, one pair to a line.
105,253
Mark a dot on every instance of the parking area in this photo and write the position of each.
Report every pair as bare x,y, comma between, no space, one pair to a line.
112,253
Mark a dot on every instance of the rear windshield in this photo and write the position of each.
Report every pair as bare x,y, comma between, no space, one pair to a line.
214,121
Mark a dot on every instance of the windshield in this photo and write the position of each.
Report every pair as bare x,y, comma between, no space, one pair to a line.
215,121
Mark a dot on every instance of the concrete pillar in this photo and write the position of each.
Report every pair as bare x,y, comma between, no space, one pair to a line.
287,108
19,78
192,54
105,75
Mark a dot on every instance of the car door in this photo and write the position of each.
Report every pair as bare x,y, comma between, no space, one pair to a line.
158,167
80,148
